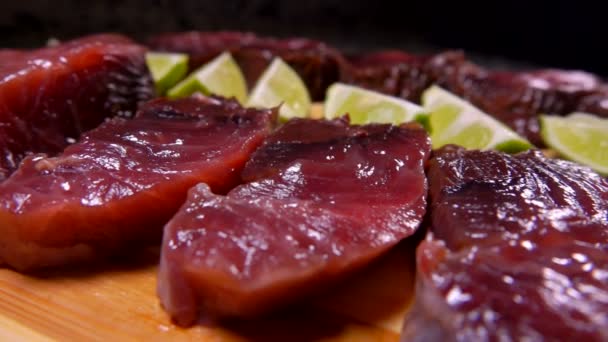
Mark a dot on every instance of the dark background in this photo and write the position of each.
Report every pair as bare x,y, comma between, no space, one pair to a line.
565,34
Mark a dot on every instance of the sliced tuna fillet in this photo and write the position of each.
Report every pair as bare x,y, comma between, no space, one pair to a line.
323,199
318,64
123,181
49,96
517,251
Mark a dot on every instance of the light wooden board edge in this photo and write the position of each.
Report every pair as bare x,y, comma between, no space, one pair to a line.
119,303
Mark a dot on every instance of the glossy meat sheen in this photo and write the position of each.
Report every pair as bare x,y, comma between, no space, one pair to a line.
518,250
317,63
122,182
323,199
49,96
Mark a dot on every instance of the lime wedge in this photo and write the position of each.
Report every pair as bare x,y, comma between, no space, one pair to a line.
456,121
167,69
589,118
583,139
280,84
366,106
221,76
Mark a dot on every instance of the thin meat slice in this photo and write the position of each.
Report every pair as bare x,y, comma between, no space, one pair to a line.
323,199
49,96
123,181
318,64
517,251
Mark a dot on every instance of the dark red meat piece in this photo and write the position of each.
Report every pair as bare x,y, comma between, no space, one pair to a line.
596,102
323,199
390,72
517,250
49,96
318,64
122,182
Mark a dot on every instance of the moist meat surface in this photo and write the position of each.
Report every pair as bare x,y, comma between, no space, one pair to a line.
517,250
323,199
49,96
123,181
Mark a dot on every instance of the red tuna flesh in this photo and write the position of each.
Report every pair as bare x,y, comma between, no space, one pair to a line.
323,199
393,73
124,180
517,251
49,96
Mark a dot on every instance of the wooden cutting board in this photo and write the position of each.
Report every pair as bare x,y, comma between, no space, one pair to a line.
117,302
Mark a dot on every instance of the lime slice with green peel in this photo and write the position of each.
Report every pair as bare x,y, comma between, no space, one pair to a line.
583,139
455,121
281,85
365,106
167,69
221,76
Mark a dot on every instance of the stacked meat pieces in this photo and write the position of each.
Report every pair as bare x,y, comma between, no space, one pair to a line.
254,217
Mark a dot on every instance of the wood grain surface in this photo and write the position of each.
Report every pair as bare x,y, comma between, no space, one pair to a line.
117,302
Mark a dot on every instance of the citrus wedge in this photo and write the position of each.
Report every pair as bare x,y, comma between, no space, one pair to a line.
167,69
366,106
281,85
455,121
221,76
579,137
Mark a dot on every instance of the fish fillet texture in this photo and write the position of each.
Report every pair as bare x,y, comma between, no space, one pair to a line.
116,188
49,96
517,251
323,199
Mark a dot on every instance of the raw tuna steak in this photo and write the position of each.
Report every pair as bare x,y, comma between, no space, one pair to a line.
124,180
323,199
49,96
517,251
